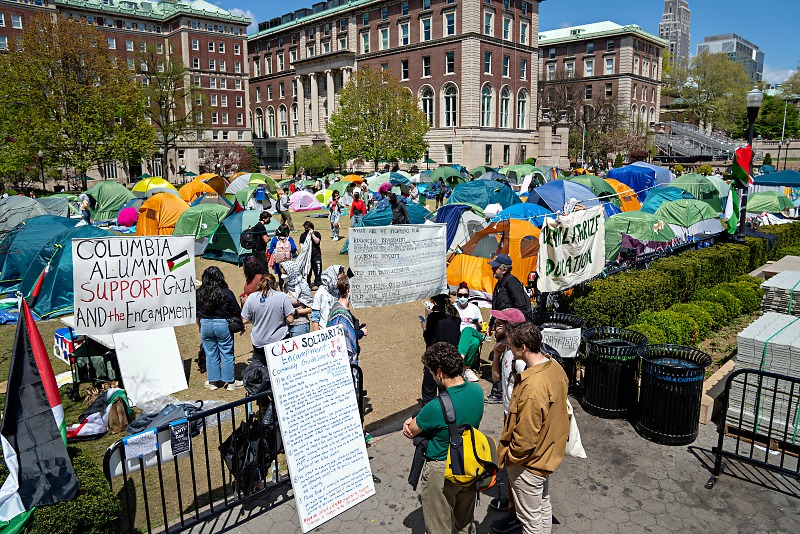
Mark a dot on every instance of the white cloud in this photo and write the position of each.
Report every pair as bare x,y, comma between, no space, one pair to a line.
253,28
775,74
565,25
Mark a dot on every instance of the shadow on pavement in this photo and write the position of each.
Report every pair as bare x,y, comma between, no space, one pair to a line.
747,472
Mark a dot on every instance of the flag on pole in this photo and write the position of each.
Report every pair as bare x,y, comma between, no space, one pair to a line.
731,215
33,432
742,159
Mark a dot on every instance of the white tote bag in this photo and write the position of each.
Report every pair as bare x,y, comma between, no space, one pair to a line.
574,445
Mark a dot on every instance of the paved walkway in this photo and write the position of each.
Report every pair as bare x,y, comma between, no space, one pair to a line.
627,484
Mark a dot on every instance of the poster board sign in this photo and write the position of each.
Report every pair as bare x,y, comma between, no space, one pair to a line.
125,284
566,342
571,249
320,424
397,264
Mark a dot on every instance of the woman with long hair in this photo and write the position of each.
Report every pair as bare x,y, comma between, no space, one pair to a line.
442,324
271,312
215,304
342,316
252,277
299,294
335,208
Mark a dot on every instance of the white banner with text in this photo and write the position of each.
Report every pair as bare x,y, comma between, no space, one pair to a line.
571,249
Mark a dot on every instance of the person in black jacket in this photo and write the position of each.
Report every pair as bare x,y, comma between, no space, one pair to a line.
442,324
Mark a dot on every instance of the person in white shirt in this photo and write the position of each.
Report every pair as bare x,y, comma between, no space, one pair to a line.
470,314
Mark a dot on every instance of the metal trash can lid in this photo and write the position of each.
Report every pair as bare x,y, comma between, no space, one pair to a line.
676,363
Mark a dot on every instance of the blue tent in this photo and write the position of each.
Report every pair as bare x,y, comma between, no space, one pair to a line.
610,209
663,175
641,176
788,178
381,215
530,212
484,192
659,195
553,195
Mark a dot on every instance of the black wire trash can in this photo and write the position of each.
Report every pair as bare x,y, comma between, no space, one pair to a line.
670,393
563,321
611,368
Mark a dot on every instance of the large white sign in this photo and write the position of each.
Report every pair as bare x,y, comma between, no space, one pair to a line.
397,264
124,284
566,342
320,424
571,249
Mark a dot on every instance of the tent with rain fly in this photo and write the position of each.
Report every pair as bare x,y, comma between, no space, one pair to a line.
215,182
701,188
108,198
304,201
58,206
641,226
450,176
18,208
788,178
768,201
200,221
249,179
247,197
492,175
51,269
599,187
212,198
194,189
484,192
159,214
342,187
224,243
462,220
21,245
354,178
640,179
515,237
663,175
148,187
627,196
481,169
515,173
553,195
659,195
537,177
688,217
525,211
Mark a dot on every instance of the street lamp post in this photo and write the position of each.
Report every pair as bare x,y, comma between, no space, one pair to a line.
754,98
427,159
40,155
340,158
164,174
778,165
786,154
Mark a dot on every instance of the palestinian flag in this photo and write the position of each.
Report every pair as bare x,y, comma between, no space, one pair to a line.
742,160
33,433
731,215
178,261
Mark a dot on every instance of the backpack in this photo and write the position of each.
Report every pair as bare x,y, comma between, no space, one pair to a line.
248,239
471,456
283,250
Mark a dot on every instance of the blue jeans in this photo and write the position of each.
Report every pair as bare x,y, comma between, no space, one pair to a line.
299,329
355,219
217,343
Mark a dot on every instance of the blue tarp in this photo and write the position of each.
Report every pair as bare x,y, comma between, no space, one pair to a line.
484,192
450,214
659,195
640,177
553,195
530,212
788,178
663,175
611,209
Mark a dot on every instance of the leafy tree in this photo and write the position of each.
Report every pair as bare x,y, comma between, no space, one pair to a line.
230,157
769,123
767,159
315,160
705,169
678,169
70,98
254,165
791,87
530,161
377,119
175,106
618,161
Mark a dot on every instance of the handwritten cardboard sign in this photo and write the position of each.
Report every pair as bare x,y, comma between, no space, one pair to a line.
396,264
124,284
571,249
566,342
316,403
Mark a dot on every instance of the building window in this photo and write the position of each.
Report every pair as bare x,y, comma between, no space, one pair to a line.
588,67
426,4
268,64
551,72
195,62
450,106
112,43
212,65
505,107
506,154
487,62
195,44
610,45
237,50
404,69
343,25
237,67
365,43
310,50
425,29
385,13
326,47
259,123
487,106
609,65
281,91
551,54
506,65
271,122
426,100
590,48
384,67
214,117
214,100
239,101
609,89
507,29
523,69
224,117
280,62
587,92
16,22
326,30
295,121
223,83
129,45
636,65
284,122
450,23
269,92
212,83
523,33
384,38
3,20
488,155
404,39
570,68
488,23
294,87
365,19
310,33
211,46
240,134
404,8
131,65
238,84
449,62
342,43
159,48
506,4
570,50
522,110
258,94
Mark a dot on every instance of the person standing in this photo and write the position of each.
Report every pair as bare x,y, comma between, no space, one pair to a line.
399,210
413,193
440,191
270,312
357,210
314,239
326,296
85,206
341,315
215,304
262,239
299,295
282,248
283,208
252,277
534,438
446,507
441,325
335,208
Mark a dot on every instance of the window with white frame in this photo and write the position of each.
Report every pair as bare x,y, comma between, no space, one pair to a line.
404,8
450,23
488,154
487,105
523,69
211,46
239,101
223,101
221,47
281,90
269,92
506,66
450,106
610,45
258,94
195,62
569,67
587,92
326,47
2,20
237,67
551,72
365,19
212,83
195,44
505,107
215,135
237,50
223,83
385,13
609,89
384,38
522,110
342,43
507,29
426,5
112,44
224,117
159,48
426,101
448,153
404,36
129,45
271,122
294,87
636,65
588,67
240,118
310,50
295,121
343,25
238,85
523,33
404,69
131,64
487,62
488,23
506,154
197,81
590,47
222,65
365,42
212,65
268,64
214,117
16,22
426,66
280,62
284,123
449,62
425,29
240,134
609,65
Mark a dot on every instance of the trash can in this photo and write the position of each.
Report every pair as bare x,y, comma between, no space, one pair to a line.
611,366
670,392
563,321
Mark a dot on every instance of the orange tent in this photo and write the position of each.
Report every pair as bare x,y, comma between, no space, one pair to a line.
215,182
159,214
353,178
515,237
194,189
627,196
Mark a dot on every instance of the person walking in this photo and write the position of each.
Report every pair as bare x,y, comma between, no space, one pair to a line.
283,208
282,248
342,316
335,208
270,312
262,239
357,209
215,304
399,210
314,239
440,191
299,295
441,325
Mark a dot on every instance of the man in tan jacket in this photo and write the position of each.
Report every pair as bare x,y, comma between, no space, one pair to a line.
535,435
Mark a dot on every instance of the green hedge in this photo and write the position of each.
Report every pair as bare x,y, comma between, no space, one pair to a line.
752,280
758,251
786,236
704,320
732,305
678,328
654,335
716,310
749,296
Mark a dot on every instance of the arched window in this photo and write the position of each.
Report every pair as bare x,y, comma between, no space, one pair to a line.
634,114
284,123
644,116
450,106
295,122
652,115
486,105
522,110
271,122
426,101
259,123
505,106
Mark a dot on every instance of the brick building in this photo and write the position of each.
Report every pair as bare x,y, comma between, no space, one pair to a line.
471,63
210,41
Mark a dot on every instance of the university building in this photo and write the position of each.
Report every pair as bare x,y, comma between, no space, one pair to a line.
473,65
675,28
738,49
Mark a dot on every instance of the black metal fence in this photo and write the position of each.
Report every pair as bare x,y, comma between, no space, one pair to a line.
232,457
761,423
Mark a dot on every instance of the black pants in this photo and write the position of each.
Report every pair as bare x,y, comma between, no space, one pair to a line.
316,270
429,388
261,256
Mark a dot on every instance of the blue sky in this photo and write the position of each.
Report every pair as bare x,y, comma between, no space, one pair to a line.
770,24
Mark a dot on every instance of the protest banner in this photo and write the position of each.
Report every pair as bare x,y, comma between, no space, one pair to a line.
571,249
125,284
320,424
566,342
397,264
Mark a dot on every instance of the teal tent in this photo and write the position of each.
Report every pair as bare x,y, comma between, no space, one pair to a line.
57,292
224,243
658,195
109,197
382,216
21,245
484,192
18,208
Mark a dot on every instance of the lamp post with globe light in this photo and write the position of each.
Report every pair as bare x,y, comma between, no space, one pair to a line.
754,99
40,155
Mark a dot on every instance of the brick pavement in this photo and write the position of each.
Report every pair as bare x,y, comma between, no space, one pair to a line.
627,484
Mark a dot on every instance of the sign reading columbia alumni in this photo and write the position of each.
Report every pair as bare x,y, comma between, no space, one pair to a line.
571,249
133,283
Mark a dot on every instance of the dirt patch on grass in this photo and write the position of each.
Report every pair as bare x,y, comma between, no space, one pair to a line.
722,345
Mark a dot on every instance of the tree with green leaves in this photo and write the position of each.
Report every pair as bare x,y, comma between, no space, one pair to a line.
315,160
377,118
65,94
175,106
769,124
253,164
791,87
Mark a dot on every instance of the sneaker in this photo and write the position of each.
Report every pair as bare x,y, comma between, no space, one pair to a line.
498,503
236,384
491,399
507,523
211,386
470,375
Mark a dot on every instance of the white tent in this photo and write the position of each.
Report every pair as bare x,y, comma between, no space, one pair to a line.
304,201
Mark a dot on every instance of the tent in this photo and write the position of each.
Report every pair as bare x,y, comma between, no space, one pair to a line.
515,173
200,221
689,217
128,216
159,214
493,175
16,209
58,206
212,198
354,178
56,294
194,189
215,182
515,237
150,186
769,201
537,177
766,169
627,197
342,187
484,192
224,243
526,211
450,176
462,220
324,196
381,215
304,201
109,197
638,177
249,179
723,187
662,174
659,195
20,246
481,169
553,195
788,178
642,226
394,178
701,188
599,187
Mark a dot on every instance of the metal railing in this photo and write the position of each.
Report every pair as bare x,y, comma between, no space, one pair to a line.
760,423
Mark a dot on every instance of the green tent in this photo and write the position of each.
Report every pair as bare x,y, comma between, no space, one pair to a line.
450,175
18,208
200,220
109,197
21,245
57,292
769,201
516,172
685,212
224,243
481,169
701,188
639,225
599,187
342,187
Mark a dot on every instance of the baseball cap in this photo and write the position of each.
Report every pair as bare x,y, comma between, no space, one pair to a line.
500,259
510,315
